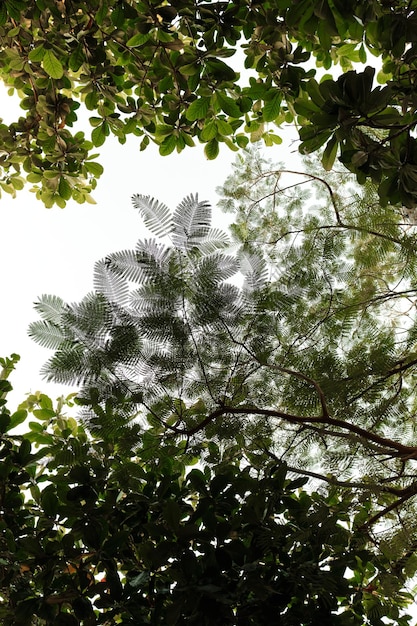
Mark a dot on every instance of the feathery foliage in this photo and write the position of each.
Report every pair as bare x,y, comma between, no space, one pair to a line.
300,346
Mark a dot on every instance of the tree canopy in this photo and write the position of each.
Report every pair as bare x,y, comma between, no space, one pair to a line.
178,71
295,342
95,532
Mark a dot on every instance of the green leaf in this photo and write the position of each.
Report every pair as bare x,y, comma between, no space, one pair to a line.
209,131
4,422
172,514
17,418
168,145
315,93
329,154
49,501
77,58
34,177
224,127
52,66
362,54
64,189
211,149
228,105
94,168
272,108
191,69
137,40
37,54
98,135
198,109
44,414
220,70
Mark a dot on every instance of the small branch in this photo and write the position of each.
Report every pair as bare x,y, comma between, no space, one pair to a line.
387,509
308,380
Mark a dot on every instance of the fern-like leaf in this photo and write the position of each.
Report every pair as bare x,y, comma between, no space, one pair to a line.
215,239
50,308
156,215
46,334
192,221
254,270
110,283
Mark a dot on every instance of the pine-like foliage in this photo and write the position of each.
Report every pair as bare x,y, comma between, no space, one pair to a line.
299,345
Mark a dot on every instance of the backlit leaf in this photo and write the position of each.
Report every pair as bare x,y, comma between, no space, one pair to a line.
52,65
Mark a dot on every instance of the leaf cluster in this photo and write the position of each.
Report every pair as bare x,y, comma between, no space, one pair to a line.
161,71
92,533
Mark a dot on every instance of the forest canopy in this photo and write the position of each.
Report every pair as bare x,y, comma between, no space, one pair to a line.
292,342
176,72
95,532
241,445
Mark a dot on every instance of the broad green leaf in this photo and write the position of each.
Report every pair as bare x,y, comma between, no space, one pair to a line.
313,90
272,108
137,40
329,154
64,189
4,422
168,145
172,514
98,135
191,69
52,66
37,54
44,414
88,198
198,109
17,418
34,177
227,104
77,58
220,70
211,149
94,168
50,502
209,130
224,127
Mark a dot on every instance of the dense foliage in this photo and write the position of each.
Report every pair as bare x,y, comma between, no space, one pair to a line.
296,345
164,71
95,533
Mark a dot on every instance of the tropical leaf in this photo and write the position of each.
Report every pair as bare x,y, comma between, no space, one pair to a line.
149,299
254,270
67,366
110,283
192,221
215,239
156,215
50,308
52,65
90,319
142,264
47,334
213,269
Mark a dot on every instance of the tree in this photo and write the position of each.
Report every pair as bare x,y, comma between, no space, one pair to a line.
160,71
307,358
94,532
